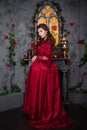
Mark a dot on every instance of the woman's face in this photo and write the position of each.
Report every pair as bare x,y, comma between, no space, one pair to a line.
42,33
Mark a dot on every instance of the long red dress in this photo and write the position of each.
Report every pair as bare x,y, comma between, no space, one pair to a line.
42,99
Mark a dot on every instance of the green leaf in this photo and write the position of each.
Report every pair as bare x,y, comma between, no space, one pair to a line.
11,34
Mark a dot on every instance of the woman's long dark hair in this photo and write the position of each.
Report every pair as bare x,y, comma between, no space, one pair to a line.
49,35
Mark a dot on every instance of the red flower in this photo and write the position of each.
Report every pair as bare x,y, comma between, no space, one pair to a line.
32,45
14,42
8,65
26,57
62,16
68,32
80,41
84,73
13,25
71,23
54,28
6,37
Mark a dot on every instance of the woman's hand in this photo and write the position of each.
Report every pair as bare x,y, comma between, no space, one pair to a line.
42,58
39,57
45,58
34,58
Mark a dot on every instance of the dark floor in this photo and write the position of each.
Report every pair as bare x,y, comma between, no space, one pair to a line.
15,119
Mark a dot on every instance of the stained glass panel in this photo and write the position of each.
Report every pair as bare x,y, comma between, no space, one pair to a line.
41,20
48,16
47,10
54,29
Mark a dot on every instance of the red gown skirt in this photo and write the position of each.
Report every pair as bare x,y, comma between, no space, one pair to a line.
42,99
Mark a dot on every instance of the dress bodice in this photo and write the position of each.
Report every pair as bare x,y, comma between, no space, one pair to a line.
44,49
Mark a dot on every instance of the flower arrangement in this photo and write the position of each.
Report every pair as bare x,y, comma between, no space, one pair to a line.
10,37
29,54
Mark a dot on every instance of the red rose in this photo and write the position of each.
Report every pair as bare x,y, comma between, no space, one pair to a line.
80,41
8,65
26,57
14,42
6,37
13,25
32,45
71,23
62,16
54,28
85,73
68,32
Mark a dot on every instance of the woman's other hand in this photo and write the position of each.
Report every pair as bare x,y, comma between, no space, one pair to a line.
34,58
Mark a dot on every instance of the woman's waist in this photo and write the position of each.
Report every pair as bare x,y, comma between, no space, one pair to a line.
44,58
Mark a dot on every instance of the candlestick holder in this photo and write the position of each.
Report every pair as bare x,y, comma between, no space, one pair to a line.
64,46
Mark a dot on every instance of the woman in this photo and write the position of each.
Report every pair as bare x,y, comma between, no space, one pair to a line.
42,99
